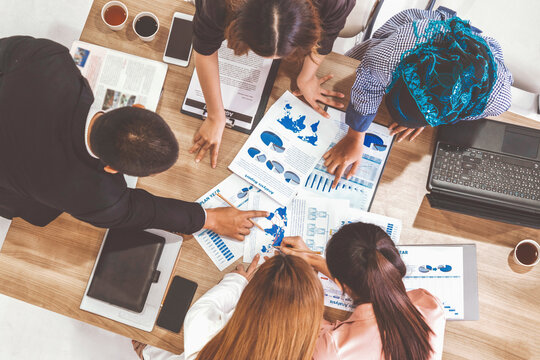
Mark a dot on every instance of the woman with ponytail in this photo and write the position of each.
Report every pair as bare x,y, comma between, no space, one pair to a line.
388,322
301,30
271,313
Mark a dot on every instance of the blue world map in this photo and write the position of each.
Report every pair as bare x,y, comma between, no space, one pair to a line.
298,126
278,218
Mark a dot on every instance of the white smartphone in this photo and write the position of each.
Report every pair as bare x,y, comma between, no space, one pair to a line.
180,41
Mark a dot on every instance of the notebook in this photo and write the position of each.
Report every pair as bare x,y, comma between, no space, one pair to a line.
126,268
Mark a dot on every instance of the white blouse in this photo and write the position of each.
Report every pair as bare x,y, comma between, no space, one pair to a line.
205,318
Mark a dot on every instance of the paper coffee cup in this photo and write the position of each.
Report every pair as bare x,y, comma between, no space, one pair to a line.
527,253
112,17
146,26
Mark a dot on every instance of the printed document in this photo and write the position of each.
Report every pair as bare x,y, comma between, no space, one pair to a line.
439,270
242,79
333,296
360,188
118,79
223,250
312,218
284,148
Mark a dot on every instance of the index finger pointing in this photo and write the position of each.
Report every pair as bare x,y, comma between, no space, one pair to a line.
256,213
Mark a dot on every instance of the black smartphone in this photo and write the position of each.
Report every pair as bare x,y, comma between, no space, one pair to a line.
176,304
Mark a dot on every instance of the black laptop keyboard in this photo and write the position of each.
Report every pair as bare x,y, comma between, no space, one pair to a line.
493,173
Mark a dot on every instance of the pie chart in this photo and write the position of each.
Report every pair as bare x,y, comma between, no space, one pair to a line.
291,178
272,140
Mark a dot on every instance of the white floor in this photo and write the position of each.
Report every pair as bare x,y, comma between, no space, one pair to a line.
28,332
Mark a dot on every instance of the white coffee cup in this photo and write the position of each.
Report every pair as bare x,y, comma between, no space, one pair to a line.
533,246
108,5
140,15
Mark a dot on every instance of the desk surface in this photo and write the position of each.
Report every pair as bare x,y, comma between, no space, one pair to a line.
50,267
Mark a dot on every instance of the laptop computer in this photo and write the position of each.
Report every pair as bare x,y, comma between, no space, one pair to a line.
488,169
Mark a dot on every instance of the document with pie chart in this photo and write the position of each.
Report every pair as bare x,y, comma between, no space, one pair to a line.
284,148
360,188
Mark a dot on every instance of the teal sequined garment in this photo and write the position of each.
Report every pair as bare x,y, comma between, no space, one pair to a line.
449,73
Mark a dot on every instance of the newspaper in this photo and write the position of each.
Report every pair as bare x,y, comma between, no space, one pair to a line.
118,79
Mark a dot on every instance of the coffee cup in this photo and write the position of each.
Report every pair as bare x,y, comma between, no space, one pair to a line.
527,253
146,26
115,15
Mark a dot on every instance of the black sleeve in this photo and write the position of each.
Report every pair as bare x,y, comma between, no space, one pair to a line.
333,14
138,209
208,26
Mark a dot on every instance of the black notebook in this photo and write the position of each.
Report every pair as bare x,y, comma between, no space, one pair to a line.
126,268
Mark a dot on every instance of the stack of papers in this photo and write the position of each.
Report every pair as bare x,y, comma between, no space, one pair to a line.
280,170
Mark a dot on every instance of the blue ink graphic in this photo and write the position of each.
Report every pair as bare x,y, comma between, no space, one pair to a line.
427,268
272,140
278,218
298,125
253,152
375,141
243,193
275,166
291,178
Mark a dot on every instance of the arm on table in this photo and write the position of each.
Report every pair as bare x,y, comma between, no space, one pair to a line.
209,135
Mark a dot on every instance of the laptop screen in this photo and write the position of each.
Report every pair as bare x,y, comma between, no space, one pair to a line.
520,144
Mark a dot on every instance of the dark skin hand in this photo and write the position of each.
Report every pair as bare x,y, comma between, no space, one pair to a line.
405,131
347,152
231,222
312,90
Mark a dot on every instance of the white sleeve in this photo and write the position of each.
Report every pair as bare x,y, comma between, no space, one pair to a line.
205,318
211,312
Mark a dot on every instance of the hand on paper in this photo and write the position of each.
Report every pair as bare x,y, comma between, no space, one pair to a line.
312,91
347,152
396,129
231,222
291,243
248,273
208,138
138,347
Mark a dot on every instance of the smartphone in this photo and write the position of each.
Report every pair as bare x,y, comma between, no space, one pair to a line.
180,41
176,304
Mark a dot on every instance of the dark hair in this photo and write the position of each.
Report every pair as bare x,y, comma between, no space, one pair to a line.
134,141
283,28
363,257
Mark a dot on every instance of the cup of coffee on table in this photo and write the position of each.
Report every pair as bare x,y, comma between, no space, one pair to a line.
527,253
146,26
115,15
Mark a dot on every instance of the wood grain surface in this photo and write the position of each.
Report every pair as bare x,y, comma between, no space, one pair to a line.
50,267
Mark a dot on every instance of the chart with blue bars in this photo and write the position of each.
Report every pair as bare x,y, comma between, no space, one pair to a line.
220,250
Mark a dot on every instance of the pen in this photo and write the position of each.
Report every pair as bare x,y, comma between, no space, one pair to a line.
231,205
300,250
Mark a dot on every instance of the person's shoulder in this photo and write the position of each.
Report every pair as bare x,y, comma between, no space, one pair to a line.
32,47
427,303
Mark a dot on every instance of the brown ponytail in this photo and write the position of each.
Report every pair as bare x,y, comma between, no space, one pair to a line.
363,257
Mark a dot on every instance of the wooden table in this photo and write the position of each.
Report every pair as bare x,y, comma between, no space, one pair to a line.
50,267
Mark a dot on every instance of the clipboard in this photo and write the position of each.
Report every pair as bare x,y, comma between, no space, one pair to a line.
233,117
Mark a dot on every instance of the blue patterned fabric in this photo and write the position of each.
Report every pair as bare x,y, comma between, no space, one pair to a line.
449,73
398,38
